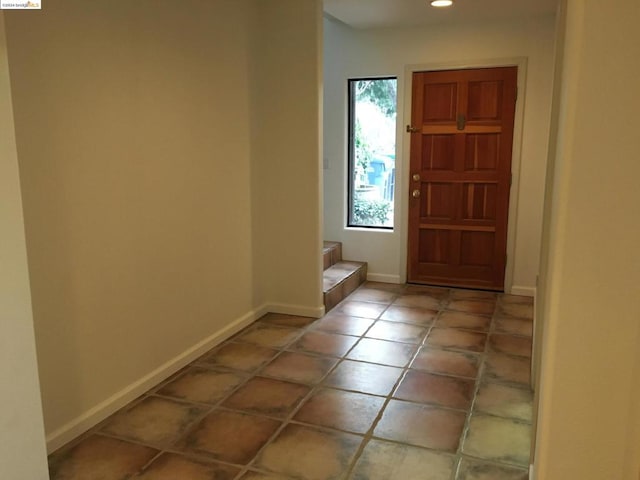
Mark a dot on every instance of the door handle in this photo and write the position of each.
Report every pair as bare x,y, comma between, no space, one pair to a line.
411,129
415,194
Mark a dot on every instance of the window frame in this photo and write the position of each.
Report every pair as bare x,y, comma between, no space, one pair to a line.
351,103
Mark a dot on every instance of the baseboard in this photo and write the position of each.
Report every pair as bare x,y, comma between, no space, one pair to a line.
383,278
95,415
104,409
532,475
524,291
287,309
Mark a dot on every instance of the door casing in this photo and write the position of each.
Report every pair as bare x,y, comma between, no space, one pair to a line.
402,169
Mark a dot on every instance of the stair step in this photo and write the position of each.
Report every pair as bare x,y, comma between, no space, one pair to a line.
340,280
331,253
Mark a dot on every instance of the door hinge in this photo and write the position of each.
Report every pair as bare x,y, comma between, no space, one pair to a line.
511,179
517,92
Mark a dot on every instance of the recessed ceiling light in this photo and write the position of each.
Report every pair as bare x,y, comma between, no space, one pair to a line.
441,3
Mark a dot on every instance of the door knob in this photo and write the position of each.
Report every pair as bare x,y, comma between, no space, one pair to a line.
415,194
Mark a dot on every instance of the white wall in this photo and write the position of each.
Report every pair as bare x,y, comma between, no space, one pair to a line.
551,187
589,413
145,200
22,448
286,144
353,53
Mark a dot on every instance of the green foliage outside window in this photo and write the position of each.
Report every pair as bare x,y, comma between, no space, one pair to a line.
370,212
364,154
382,93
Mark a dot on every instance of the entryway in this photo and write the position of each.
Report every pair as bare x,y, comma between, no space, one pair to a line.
460,176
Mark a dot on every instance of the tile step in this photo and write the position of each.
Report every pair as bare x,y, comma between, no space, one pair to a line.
340,280
331,253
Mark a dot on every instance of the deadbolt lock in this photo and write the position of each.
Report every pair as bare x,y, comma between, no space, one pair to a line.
416,177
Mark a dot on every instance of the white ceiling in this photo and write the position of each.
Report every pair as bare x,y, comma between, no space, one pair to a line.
404,13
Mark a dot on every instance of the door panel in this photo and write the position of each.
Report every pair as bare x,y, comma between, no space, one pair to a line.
438,151
482,151
479,202
440,102
485,99
476,248
434,246
437,201
460,176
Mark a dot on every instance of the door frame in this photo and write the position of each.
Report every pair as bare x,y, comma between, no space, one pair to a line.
402,177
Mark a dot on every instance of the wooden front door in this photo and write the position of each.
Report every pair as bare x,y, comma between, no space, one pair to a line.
460,176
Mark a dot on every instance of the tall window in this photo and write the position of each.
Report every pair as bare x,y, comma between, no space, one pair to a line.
372,151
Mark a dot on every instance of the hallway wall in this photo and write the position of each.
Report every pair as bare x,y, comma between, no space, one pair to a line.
22,451
589,412
286,182
134,135
353,53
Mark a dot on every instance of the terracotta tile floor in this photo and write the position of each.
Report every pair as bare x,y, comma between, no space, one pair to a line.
397,382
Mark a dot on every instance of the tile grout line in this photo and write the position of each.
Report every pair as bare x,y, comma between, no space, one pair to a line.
369,434
316,387
465,430
479,382
256,372
172,447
